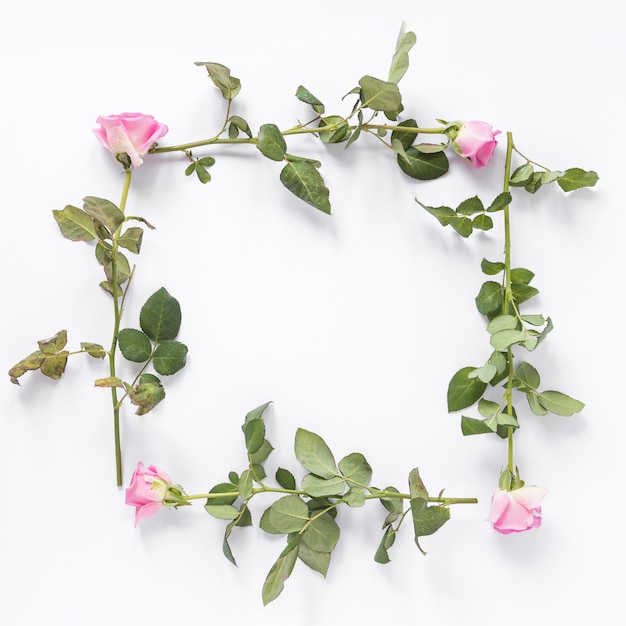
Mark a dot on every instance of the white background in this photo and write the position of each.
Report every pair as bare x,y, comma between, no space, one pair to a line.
351,324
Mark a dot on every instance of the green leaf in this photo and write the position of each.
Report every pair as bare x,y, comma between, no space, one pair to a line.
53,344
317,561
380,95
471,426
445,215
103,211
322,534
223,488
485,373
222,511
521,275
491,268
271,142
464,391
355,469
471,206
523,292
145,395
426,519
134,345
528,375
53,365
534,320
203,174
260,456
462,225
395,506
389,537
289,514
546,331
504,339
338,131
305,182
254,432
256,414
169,357
75,224
559,403
482,222
131,239
314,455
505,419
236,124
501,201
285,478
108,382
423,166
487,408
522,175
123,267
93,349
32,362
280,571
535,182
245,484
576,178
160,316
501,322
220,75
400,60
430,148
489,298
535,406
318,487
405,138
304,95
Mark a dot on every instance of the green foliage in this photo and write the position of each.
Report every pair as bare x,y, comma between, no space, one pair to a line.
337,129
50,358
160,316
423,166
134,345
380,95
222,79
146,394
271,142
470,214
306,516
400,60
574,178
200,167
169,357
75,224
463,390
305,182
303,94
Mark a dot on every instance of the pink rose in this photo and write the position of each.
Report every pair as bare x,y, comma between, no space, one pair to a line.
517,510
129,133
476,141
147,490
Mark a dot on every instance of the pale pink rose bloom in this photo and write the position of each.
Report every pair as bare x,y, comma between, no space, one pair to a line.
476,141
147,490
517,510
130,133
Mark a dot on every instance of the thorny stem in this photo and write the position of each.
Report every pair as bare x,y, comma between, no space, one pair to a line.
378,495
117,313
508,294
298,130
